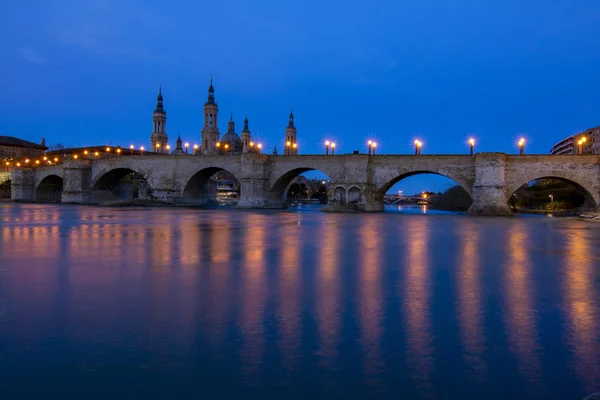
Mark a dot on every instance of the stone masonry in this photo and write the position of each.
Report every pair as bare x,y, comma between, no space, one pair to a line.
360,181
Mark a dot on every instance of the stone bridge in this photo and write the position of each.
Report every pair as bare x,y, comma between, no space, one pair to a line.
359,180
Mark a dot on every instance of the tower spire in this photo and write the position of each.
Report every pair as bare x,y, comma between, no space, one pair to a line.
159,101
211,93
159,136
291,123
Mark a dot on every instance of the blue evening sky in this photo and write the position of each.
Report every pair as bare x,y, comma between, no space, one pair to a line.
86,72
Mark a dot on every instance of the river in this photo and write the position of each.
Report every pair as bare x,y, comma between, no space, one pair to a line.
184,303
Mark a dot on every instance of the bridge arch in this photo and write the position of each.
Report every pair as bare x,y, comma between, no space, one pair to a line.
5,189
49,189
123,184
590,193
201,190
381,190
277,193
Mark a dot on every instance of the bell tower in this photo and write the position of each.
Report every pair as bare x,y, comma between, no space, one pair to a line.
246,138
210,130
290,146
159,136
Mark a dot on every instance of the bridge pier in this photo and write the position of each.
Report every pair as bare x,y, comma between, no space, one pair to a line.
373,200
77,178
22,184
254,183
490,191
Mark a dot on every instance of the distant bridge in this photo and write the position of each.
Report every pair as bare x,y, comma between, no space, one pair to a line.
360,181
394,199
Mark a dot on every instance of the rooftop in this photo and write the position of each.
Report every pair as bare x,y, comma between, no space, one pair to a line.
16,142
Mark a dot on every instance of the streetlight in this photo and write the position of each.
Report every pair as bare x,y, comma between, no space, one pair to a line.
522,146
186,147
418,145
373,147
327,147
369,143
142,150
195,148
580,144
108,149
471,146
332,149
168,148
157,147
551,198
131,147
259,146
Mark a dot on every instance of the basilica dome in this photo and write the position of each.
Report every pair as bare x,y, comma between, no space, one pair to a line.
232,139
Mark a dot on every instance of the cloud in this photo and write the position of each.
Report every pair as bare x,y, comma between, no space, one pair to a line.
31,56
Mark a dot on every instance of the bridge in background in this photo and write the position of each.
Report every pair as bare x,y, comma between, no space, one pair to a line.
360,181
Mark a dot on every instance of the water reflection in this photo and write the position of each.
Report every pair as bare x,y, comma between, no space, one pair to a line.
470,301
582,307
522,328
254,296
369,286
289,290
416,292
328,294
356,303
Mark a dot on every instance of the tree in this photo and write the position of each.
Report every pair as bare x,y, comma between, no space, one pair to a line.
297,191
56,146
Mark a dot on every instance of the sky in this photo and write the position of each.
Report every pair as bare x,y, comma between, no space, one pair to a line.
86,72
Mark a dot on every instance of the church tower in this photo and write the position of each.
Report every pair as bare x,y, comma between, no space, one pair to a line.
290,146
210,130
246,138
159,136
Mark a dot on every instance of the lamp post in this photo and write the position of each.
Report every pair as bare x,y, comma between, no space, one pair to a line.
471,146
195,149
373,147
131,149
551,198
142,150
521,146
579,143
258,147
369,143
157,147
418,145
186,147
327,147
332,149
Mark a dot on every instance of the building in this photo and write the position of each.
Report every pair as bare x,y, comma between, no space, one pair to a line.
159,138
587,142
12,148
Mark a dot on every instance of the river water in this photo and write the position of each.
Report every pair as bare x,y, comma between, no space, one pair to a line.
182,303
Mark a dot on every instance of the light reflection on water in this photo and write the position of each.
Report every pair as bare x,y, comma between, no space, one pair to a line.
162,302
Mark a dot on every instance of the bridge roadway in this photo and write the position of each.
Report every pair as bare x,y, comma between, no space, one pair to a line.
360,181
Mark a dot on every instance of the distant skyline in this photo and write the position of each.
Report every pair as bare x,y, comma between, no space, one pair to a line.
87,72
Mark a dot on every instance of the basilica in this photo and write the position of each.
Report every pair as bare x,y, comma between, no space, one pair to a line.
212,143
